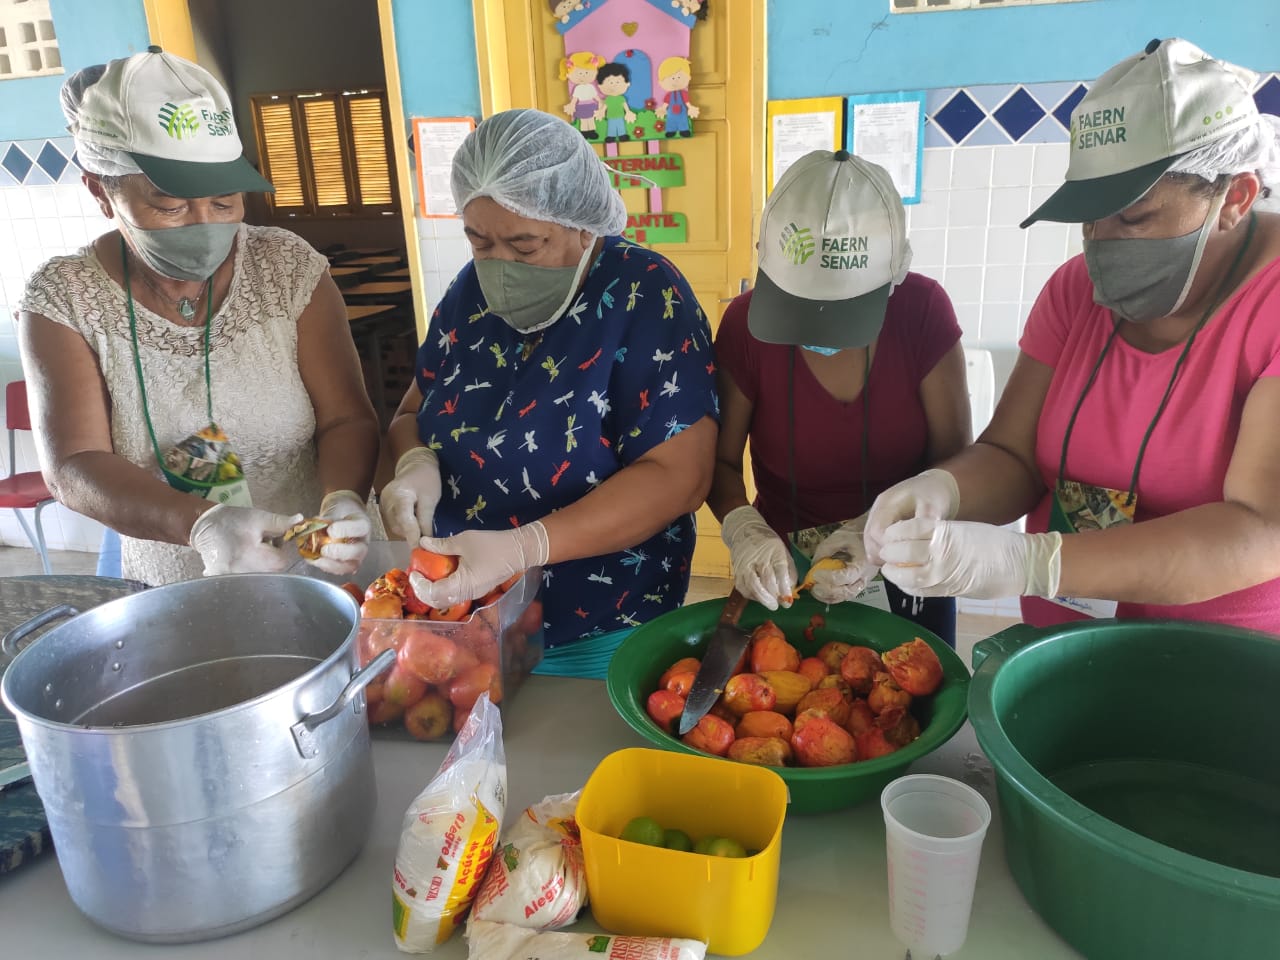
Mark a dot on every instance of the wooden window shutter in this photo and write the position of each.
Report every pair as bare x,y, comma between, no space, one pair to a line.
370,145
278,145
324,145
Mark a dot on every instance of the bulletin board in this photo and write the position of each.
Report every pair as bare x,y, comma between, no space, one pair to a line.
888,129
797,127
435,141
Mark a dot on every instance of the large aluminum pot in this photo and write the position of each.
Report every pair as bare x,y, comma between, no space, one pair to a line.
201,751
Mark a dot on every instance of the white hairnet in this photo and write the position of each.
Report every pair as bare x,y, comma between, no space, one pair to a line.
90,157
1255,148
540,167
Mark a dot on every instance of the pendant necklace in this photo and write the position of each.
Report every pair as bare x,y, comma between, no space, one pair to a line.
186,306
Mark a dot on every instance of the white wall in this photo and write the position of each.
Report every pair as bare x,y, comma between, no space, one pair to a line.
40,221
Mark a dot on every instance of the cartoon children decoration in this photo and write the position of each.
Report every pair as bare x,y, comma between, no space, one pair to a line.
627,63
676,110
585,102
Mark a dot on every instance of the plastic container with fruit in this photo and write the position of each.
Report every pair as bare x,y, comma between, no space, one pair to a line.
445,658
713,893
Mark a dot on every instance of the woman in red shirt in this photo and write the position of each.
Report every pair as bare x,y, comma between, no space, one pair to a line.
845,374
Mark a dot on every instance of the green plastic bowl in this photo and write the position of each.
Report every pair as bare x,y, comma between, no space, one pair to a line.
651,648
1139,790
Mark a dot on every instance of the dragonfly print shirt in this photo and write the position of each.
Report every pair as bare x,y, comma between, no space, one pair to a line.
525,425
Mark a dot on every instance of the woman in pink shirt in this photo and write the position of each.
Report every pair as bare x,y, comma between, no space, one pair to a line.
1137,430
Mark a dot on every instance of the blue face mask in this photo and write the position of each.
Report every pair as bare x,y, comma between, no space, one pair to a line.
823,351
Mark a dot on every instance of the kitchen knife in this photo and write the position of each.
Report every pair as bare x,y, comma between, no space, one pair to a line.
725,648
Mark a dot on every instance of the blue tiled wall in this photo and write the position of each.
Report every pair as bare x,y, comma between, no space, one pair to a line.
996,114
32,163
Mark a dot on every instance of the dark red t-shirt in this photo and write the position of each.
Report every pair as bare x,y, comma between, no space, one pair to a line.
919,328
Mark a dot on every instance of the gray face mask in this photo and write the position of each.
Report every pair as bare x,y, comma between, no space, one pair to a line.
1142,280
192,252
530,298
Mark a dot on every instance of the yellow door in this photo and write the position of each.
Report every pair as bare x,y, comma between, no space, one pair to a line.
519,49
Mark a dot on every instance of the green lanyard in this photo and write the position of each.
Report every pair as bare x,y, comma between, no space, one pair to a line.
137,360
1218,296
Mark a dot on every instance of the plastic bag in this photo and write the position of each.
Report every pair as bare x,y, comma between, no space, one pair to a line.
504,941
537,878
449,834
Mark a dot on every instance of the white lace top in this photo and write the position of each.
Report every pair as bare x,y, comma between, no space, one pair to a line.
258,395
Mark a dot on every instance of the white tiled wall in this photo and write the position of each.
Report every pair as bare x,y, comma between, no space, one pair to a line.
965,233
445,251
36,223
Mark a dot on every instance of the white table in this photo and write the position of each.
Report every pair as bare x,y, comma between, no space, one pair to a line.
832,900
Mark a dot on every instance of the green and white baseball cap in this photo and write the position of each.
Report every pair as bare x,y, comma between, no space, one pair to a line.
174,119
833,242
1138,119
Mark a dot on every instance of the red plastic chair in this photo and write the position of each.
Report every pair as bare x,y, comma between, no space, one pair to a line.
21,491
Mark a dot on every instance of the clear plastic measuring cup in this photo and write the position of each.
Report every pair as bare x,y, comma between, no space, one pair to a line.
934,827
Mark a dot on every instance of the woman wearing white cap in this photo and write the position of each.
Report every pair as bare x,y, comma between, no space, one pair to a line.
193,380
1140,418
845,373
564,413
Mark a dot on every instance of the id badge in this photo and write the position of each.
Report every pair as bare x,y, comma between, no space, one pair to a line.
1082,506
875,595
204,464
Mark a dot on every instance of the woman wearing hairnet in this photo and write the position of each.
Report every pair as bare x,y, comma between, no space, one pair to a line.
1138,426
193,382
564,410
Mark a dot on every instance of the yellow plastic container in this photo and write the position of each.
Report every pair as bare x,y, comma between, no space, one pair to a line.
640,890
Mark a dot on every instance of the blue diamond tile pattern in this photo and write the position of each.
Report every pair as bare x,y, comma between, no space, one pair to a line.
959,116
16,162
1062,112
1018,114
51,160
1267,96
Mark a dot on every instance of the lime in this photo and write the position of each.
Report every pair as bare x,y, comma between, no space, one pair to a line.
704,845
726,847
677,840
644,830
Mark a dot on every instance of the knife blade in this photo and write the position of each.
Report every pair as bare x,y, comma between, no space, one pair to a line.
725,648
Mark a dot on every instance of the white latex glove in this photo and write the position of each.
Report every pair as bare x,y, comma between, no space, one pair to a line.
349,530
951,558
409,501
762,566
234,540
485,559
838,586
930,494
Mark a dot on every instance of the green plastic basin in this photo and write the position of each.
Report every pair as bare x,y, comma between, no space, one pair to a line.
1136,765
646,653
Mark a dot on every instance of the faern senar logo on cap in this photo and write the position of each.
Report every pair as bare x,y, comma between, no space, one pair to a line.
797,243
1098,128
844,253
178,120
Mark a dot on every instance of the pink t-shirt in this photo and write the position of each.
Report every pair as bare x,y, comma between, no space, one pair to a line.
919,328
1187,457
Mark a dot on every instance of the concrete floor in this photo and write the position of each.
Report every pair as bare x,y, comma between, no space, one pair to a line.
23,561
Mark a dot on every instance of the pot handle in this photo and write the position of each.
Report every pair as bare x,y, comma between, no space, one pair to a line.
9,642
1007,641
304,730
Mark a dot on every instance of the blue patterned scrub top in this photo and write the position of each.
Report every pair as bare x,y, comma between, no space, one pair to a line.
524,425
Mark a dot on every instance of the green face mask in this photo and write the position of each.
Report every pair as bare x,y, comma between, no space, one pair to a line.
530,298
192,252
